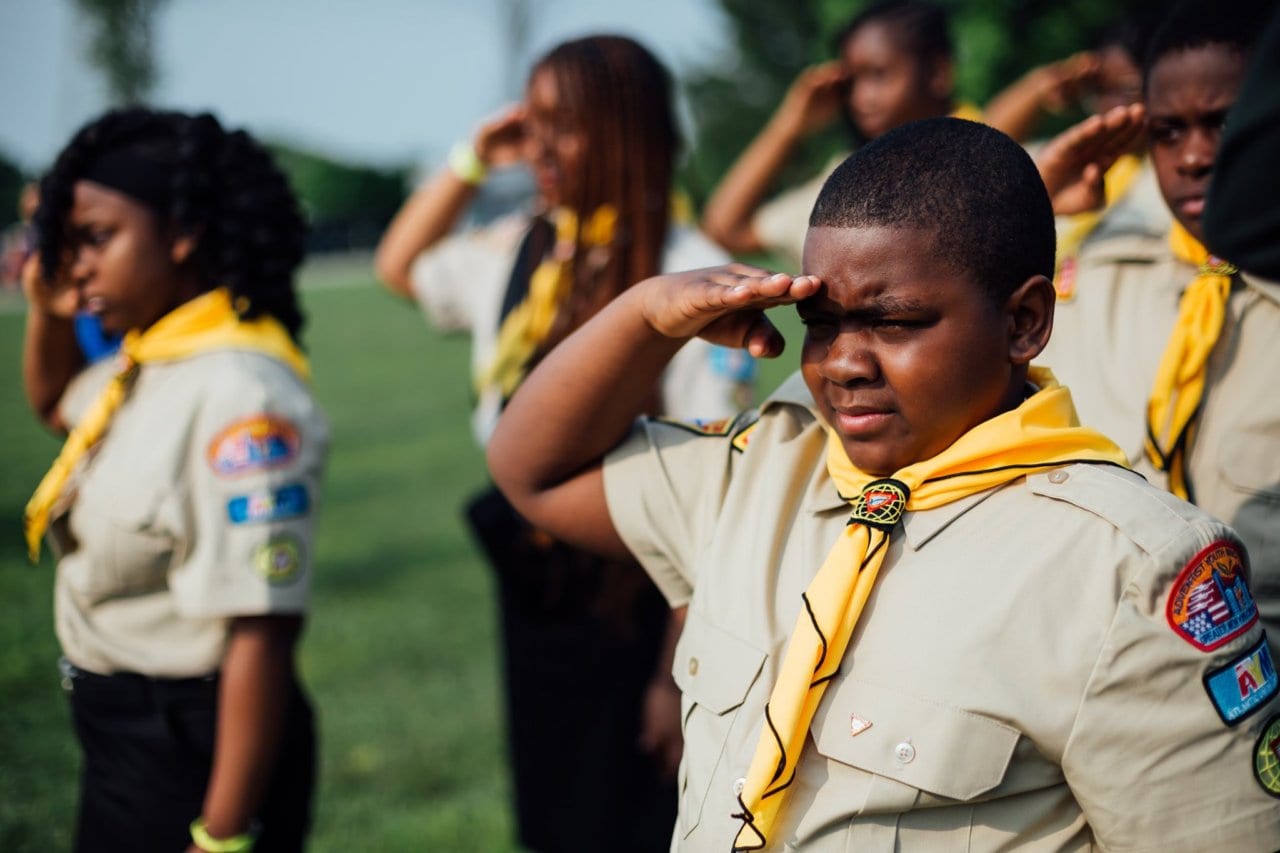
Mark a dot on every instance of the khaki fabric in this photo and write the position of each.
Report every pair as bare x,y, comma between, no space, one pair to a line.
170,529
1013,682
1105,347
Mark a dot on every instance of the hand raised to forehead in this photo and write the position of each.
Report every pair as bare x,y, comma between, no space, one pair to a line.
498,141
1075,161
724,305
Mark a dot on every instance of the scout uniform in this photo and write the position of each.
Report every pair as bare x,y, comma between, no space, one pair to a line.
1106,346
1057,684
196,507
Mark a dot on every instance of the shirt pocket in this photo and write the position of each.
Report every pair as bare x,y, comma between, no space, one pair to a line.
122,547
715,671
927,761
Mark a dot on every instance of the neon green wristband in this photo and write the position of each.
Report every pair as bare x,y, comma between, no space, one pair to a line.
242,843
466,163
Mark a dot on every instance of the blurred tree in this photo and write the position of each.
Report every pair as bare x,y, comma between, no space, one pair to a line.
120,45
996,42
347,205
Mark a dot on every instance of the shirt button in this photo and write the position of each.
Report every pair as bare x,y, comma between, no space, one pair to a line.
738,785
905,752
1058,476
693,666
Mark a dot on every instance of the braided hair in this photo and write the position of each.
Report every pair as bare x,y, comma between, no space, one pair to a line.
220,186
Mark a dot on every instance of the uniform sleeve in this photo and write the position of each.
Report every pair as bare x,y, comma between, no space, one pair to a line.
253,474
1175,735
83,390
665,485
452,280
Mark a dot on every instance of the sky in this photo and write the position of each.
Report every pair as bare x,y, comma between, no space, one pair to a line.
381,82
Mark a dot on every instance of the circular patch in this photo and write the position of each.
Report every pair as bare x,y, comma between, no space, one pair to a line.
279,560
881,504
1210,603
1266,757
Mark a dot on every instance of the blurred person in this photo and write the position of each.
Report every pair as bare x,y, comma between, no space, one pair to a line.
894,65
1167,348
181,507
592,711
1096,81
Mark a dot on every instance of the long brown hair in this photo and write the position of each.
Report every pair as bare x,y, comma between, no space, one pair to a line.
620,97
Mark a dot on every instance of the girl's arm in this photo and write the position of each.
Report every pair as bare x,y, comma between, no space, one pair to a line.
50,355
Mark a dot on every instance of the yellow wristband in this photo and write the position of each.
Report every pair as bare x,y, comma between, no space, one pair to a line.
242,843
466,164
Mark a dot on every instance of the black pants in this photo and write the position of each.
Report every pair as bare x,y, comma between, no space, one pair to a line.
148,749
580,641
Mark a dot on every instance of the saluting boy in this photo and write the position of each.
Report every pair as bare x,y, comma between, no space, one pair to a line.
1170,350
926,609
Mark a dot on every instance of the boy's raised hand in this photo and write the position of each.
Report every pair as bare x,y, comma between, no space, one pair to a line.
724,305
1075,161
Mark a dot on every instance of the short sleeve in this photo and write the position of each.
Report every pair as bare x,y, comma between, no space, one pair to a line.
253,472
1165,751
455,280
664,486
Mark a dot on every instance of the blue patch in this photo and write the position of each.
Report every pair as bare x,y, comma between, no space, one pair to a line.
734,364
1244,685
288,501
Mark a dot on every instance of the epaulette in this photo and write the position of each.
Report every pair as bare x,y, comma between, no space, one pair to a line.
737,429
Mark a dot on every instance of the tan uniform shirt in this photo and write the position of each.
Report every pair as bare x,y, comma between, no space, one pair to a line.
1013,682
1106,346
197,506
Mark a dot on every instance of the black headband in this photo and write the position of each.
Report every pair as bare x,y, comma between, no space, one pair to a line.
142,179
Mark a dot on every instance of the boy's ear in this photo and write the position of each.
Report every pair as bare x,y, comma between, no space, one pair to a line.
182,248
942,78
1029,313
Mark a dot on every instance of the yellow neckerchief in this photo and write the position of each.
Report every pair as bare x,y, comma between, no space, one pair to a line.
205,323
529,323
1043,432
968,112
1116,185
1179,386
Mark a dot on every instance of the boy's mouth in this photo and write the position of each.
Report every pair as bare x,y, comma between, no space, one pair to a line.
859,421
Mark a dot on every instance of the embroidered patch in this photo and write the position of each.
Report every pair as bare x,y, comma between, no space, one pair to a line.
1064,284
880,504
279,560
1266,757
742,439
288,501
256,443
1244,685
1210,603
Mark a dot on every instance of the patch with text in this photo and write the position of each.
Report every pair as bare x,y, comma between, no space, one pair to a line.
1210,603
289,501
1243,685
252,444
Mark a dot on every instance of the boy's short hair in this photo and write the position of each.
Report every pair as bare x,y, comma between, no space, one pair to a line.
973,187
1233,24
922,26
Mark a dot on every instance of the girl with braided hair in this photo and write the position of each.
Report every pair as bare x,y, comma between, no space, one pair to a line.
180,509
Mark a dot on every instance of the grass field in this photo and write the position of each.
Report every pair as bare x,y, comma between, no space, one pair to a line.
400,651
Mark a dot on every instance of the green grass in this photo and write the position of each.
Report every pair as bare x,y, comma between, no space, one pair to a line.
400,651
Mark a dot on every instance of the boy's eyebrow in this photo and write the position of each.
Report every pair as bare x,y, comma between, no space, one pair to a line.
878,305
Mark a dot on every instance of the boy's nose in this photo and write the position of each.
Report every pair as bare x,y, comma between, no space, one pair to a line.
849,361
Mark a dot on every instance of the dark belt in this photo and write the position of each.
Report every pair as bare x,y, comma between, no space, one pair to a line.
132,685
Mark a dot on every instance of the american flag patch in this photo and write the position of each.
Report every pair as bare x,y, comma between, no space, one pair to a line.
1210,603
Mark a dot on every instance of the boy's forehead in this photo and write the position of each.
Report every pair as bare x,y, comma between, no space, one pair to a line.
830,247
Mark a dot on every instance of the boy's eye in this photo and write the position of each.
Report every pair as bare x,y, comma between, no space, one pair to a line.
1165,134
818,327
